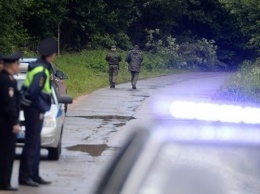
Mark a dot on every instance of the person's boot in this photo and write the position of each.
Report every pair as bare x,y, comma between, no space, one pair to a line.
113,84
41,181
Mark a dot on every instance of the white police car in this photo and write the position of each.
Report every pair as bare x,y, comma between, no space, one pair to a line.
51,135
201,148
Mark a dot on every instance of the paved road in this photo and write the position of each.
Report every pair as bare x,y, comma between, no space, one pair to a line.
97,126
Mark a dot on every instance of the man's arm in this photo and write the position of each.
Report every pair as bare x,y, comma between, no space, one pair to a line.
10,106
35,88
128,57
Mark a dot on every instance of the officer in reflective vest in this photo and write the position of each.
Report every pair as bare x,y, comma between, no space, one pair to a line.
36,100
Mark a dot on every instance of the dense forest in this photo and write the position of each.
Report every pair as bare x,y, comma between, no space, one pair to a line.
232,25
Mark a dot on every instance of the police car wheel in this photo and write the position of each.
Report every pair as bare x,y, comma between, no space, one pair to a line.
54,153
65,108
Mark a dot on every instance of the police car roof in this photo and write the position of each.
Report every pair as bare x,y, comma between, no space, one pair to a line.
27,60
24,64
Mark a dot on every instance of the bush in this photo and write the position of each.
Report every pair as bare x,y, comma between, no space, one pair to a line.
244,86
196,55
154,62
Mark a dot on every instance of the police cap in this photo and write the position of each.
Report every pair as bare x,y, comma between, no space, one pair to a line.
12,57
47,47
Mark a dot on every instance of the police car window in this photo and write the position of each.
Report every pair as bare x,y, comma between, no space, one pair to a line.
204,169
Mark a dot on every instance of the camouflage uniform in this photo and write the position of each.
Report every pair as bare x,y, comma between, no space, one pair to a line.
113,58
134,59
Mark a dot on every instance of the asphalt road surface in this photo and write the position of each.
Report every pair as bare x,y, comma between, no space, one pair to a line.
97,125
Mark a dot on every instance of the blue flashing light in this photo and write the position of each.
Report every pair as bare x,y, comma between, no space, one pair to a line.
214,112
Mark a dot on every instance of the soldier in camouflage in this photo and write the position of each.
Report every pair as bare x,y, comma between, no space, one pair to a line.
134,59
113,58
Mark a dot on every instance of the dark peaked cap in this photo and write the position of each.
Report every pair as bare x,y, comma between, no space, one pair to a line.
12,57
47,47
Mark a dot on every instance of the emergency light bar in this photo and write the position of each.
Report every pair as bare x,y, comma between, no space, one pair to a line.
214,112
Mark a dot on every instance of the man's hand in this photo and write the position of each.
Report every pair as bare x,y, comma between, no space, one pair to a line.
16,128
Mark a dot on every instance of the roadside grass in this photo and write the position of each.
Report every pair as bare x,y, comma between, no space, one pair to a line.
244,86
88,70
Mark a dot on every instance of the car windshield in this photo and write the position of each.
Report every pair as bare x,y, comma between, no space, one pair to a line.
204,169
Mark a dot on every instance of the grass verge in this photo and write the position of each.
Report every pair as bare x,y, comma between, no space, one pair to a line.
244,86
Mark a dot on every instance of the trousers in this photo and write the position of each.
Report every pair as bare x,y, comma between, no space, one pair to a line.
30,158
7,154
134,78
113,74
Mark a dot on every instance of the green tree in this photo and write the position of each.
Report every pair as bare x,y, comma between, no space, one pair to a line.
12,33
247,13
97,23
41,18
190,20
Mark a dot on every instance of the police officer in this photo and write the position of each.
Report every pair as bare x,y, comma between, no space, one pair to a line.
134,59
113,58
36,100
9,118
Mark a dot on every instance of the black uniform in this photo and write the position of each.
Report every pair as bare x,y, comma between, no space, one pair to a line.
9,116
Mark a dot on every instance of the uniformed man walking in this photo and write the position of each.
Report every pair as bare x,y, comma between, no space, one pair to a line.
134,59
113,58
36,100
9,118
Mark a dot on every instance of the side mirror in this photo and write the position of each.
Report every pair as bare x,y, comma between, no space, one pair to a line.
65,99
61,75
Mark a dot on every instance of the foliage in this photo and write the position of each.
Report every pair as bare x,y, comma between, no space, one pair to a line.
200,54
233,25
188,20
12,35
154,63
244,86
42,17
97,23
248,16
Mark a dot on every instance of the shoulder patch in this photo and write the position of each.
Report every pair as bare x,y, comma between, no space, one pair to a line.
11,92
